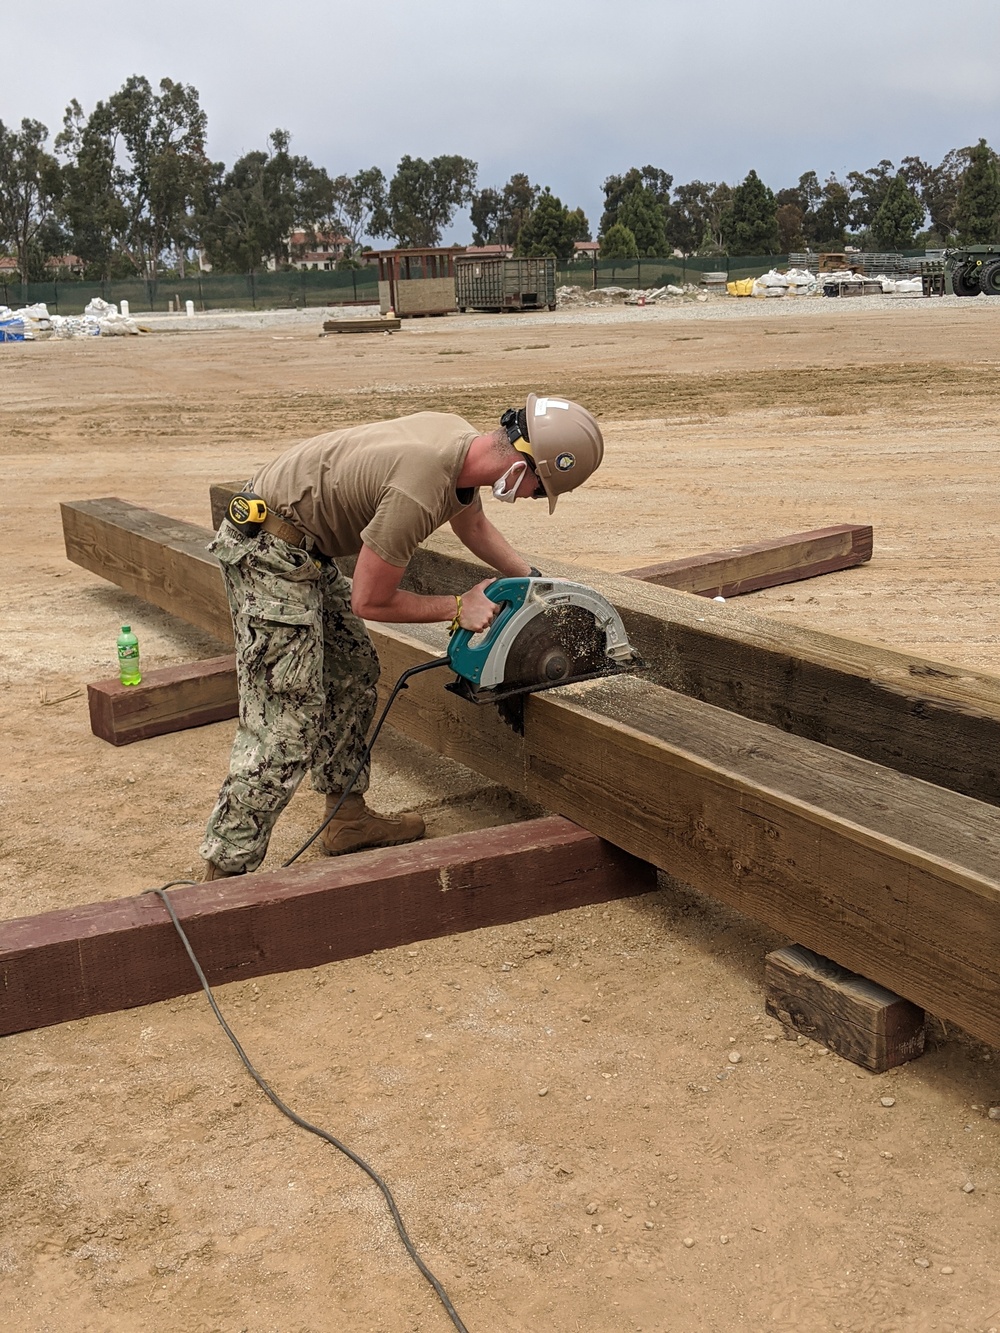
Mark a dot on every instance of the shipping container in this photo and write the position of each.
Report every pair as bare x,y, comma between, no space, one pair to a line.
505,284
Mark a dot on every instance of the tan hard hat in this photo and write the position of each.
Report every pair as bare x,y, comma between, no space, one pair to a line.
564,442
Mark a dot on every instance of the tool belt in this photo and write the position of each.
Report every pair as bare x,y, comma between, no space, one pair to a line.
249,514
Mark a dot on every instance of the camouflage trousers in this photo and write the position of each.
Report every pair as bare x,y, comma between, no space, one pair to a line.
306,671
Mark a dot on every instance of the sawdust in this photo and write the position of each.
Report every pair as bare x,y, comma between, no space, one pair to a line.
146,1185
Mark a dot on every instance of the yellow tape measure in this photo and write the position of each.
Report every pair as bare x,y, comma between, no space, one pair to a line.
247,510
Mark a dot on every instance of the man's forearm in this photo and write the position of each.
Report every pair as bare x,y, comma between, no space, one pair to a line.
404,608
488,544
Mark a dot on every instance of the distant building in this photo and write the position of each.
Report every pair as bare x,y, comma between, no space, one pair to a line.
489,251
316,249
586,249
66,264
58,266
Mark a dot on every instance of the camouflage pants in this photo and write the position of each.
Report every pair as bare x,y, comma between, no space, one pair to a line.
306,671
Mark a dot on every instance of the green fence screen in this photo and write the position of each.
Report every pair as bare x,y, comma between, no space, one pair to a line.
209,291
296,289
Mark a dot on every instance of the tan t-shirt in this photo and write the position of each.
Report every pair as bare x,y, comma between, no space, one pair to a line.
387,485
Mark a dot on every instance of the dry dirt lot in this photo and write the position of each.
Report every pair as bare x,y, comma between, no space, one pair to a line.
570,1143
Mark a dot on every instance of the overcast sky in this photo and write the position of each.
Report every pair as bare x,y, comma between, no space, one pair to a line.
567,91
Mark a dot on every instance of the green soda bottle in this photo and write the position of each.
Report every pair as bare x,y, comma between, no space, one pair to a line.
128,657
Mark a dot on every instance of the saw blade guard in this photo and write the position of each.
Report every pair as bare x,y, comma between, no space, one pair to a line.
483,663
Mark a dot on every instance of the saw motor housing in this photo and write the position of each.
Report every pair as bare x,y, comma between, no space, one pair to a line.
547,632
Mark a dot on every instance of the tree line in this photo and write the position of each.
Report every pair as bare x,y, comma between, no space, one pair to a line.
129,188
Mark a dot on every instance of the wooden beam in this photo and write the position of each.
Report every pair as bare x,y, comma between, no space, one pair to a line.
888,876
115,955
219,495
863,1022
930,720
162,560
170,699
360,326
744,569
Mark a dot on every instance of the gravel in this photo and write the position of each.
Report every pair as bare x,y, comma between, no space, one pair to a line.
672,309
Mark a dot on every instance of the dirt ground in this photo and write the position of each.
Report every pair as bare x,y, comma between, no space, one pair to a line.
570,1135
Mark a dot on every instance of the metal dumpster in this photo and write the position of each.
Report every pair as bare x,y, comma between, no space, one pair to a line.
505,284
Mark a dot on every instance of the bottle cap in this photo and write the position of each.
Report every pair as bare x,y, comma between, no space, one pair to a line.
126,629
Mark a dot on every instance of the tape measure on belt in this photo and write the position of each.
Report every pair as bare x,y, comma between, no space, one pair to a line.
248,513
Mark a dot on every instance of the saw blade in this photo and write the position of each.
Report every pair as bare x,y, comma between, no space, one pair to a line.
559,645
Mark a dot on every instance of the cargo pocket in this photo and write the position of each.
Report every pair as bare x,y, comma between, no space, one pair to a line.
285,658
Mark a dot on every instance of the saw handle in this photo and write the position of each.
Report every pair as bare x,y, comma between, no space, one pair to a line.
468,661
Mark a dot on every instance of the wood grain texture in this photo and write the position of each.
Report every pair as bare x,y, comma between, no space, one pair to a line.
887,875
851,1015
932,720
117,955
162,560
804,555
172,698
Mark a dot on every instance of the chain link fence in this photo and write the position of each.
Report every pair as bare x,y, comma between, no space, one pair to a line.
647,273
290,289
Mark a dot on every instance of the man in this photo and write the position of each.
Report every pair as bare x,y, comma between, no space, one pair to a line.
306,667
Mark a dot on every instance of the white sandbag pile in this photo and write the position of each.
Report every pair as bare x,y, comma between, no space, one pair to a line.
99,319
900,286
795,282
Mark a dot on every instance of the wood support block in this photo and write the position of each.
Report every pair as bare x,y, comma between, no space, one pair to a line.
170,699
851,1015
116,955
804,555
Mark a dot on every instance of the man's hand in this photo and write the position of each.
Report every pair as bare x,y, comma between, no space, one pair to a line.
477,609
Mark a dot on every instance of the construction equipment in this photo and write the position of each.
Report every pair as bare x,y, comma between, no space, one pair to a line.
548,632
971,269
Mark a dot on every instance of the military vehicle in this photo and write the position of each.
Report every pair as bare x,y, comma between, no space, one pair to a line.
971,269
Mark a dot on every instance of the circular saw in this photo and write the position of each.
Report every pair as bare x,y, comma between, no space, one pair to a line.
547,632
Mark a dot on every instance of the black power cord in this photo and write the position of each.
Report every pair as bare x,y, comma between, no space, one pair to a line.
268,1091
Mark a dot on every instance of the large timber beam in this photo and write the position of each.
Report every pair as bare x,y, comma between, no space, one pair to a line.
115,955
928,719
886,875
883,874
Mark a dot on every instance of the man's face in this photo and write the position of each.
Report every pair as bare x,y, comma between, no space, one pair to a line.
529,487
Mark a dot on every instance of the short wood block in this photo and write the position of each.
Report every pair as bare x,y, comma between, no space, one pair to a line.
106,956
169,699
861,1021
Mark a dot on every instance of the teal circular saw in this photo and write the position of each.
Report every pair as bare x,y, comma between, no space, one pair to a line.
547,632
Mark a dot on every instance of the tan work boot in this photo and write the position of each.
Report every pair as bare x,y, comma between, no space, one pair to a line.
356,827
212,871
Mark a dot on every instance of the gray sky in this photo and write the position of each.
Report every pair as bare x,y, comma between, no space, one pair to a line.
568,92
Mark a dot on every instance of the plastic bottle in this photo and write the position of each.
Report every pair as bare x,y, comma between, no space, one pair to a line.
128,657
